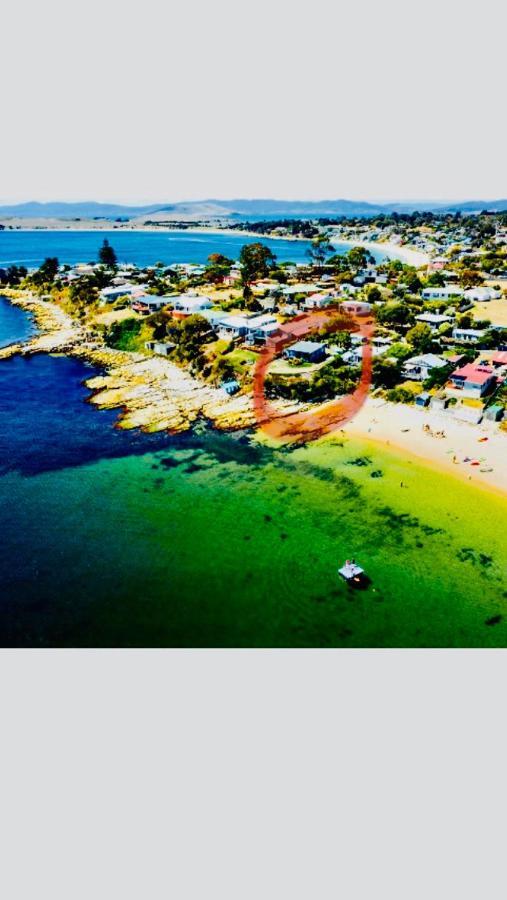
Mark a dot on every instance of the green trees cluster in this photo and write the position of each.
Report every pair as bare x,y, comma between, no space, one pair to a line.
123,335
334,379
44,277
218,267
13,275
189,335
256,261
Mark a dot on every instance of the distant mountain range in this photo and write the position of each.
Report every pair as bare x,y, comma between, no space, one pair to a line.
236,209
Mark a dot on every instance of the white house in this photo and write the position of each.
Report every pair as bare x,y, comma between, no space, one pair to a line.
189,303
356,307
231,327
318,301
261,333
434,320
354,356
418,368
108,295
292,289
441,293
468,335
483,294
148,303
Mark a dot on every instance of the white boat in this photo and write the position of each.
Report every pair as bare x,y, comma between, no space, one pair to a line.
352,573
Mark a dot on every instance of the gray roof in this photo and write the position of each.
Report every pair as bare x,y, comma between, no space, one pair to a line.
431,360
307,346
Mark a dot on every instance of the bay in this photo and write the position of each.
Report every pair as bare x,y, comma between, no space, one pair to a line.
113,538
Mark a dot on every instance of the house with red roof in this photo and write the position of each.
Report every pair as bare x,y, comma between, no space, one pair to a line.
474,380
499,359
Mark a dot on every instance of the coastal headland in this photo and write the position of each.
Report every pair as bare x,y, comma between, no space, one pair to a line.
155,394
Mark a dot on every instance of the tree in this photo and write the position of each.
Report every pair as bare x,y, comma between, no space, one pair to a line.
256,260
107,255
373,294
44,276
189,335
49,268
319,249
470,278
420,336
386,372
218,266
436,279
394,314
438,377
123,335
359,258
83,294
15,274
250,302
222,369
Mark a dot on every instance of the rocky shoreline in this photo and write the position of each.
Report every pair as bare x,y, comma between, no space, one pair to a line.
152,393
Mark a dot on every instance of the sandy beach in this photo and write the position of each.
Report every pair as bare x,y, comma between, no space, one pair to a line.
155,394
406,254
400,427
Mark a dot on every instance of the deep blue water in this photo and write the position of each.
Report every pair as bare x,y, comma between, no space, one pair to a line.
15,324
29,248
45,423
113,538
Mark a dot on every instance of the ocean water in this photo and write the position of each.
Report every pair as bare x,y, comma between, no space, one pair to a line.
15,324
143,248
29,248
113,538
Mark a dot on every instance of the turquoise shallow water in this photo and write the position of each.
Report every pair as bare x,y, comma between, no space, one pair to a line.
120,539
113,538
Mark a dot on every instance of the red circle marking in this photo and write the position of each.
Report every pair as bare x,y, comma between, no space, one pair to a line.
300,427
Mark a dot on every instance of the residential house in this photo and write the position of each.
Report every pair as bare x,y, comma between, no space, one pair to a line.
230,387
418,368
482,294
499,359
468,335
190,304
474,380
354,356
441,293
434,320
262,333
244,326
319,301
291,290
149,303
110,294
437,264
355,307
306,351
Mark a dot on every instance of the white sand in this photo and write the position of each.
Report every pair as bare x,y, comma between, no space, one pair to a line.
384,422
406,254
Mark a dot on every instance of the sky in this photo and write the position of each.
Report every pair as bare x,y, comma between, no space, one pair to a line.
158,102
